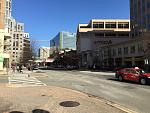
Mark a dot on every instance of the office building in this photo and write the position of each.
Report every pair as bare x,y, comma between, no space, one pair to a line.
98,33
63,41
140,16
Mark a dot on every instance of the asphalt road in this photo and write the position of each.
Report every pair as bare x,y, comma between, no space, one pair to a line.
130,95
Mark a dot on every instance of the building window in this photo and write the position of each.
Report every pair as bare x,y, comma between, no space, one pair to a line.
119,51
14,44
21,27
98,25
18,27
110,25
148,5
132,49
125,50
114,52
123,25
140,48
17,43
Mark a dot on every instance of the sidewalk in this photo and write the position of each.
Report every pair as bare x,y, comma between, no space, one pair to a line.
50,100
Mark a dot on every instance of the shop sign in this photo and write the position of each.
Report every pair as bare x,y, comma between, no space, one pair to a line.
106,42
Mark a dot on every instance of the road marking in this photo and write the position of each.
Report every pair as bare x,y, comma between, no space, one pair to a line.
18,81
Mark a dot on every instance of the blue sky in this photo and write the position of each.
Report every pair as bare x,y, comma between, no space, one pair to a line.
45,18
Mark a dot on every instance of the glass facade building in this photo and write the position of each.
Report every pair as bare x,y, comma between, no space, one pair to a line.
64,40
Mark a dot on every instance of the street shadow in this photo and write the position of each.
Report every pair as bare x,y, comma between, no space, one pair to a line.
126,81
16,112
40,111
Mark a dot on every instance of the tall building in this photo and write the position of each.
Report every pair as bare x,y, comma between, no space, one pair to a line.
5,12
97,33
20,41
8,10
2,13
64,40
140,16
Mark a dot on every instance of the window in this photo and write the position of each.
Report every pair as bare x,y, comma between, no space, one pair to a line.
133,71
123,25
119,51
132,48
95,25
110,25
21,27
114,52
13,43
140,49
125,50
17,43
98,25
148,5
18,27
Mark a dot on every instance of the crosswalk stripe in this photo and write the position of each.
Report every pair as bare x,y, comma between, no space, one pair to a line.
25,81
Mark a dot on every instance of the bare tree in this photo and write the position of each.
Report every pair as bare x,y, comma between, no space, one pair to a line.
30,49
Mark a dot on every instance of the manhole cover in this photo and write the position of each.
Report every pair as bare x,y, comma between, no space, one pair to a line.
40,111
69,104
15,112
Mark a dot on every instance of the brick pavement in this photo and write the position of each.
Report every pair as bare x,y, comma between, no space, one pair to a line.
48,98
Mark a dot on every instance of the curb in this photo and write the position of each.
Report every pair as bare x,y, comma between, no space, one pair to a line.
113,104
110,103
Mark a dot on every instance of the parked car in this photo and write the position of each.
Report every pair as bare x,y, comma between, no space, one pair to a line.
133,74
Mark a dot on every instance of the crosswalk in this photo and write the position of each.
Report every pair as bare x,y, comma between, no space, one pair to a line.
24,81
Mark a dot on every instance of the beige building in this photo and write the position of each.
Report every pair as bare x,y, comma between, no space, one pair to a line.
5,13
44,53
16,48
98,33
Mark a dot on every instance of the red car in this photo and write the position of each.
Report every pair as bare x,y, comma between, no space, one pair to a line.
133,74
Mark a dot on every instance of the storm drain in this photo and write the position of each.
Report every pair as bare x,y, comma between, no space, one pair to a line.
69,104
